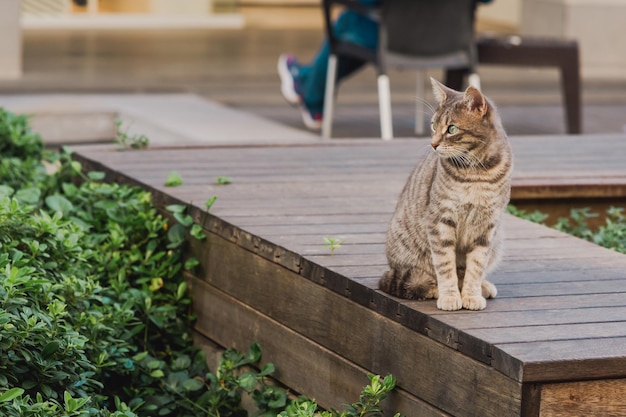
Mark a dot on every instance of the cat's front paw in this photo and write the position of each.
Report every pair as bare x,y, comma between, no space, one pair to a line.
474,302
449,302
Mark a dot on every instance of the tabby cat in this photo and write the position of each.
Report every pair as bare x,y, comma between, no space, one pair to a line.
445,233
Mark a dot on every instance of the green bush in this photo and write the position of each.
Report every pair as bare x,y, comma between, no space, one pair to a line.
94,315
21,151
367,406
94,311
93,308
611,235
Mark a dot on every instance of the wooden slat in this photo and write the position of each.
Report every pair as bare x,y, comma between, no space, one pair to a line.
564,360
588,398
574,331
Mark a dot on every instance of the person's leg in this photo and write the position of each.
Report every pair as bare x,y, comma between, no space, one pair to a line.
311,78
304,85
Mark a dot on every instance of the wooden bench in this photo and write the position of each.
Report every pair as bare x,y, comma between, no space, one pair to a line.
552,344
535,52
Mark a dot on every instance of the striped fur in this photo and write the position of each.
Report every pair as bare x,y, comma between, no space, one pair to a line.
445,236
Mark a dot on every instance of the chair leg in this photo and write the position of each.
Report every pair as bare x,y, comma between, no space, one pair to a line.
419,104
384,104
329,97
570,82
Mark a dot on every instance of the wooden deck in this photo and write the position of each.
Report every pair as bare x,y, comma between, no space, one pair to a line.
552,344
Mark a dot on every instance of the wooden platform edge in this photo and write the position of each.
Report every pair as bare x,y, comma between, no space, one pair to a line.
433,372
304,366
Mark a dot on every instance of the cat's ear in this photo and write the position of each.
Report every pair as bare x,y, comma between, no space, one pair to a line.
440,91
475,100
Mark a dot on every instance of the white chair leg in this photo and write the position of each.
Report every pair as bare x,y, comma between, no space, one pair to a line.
384,105
419,104
329,97
474,80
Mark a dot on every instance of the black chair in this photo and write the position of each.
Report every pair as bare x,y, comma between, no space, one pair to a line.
414,34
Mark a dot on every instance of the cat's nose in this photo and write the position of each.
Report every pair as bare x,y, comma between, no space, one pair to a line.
434,145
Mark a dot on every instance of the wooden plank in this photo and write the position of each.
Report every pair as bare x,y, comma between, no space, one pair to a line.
268,288
311,219
542,317
588,398
564,360
232,209
303,365
574,331
516,270
561,288
472,342
561,302
513,273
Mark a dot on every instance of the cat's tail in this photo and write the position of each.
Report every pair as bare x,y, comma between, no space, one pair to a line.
400,283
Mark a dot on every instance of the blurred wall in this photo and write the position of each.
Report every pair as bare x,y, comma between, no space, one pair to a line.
506,13
598,25
10,39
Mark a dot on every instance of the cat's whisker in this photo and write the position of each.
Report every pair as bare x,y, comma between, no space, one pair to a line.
427,104
476,162
427,148
458,158
466,159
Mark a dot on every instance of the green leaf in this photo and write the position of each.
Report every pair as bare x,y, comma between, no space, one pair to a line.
184,219
176,235
96,175
6,191
254,353
181,363
209,203
247,381
157,373
173,179
50,349
280,398
223,180
60,204
11,394
193,384
46,390
76,166
268,369
190,264
28,195
176,208
181,291
197,232
140,356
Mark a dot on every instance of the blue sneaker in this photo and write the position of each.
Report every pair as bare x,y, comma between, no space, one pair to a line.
287,68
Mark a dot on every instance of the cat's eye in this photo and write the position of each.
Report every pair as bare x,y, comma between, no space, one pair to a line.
452,129
432,126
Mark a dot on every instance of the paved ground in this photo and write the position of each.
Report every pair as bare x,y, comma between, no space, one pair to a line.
237,69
